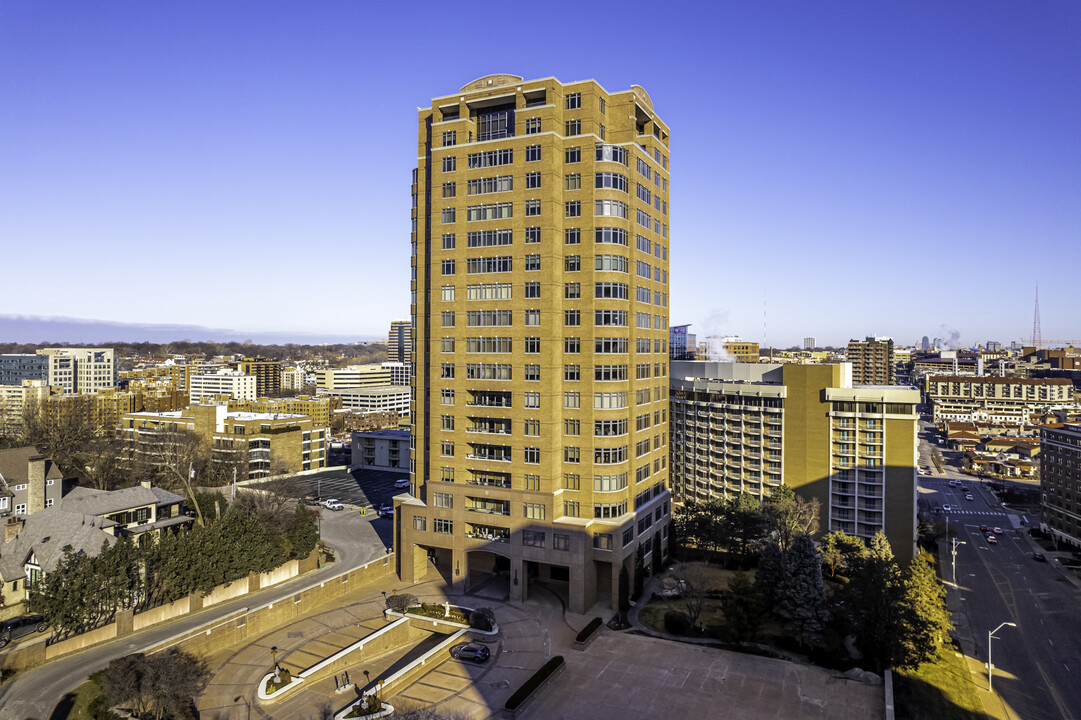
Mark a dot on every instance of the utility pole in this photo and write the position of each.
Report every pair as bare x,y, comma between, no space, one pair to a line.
955,542
990,667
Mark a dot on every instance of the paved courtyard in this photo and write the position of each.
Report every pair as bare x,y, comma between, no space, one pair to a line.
620,675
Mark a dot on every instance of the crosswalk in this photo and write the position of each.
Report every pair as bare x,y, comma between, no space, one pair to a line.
996,513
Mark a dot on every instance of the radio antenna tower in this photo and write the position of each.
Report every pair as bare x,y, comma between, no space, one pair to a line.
1036,339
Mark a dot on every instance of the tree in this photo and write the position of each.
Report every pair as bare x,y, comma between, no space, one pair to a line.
159,686
175,457
302,532
639,572
624,591
873,599
839,550
770,574
925,619
694,587
743,609
801,596
790,515
746,525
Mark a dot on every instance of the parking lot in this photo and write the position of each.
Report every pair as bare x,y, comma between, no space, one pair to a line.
361,488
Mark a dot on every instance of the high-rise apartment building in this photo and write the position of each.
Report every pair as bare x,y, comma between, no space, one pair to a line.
1060,481
17,367
400,341
231,383
267,372
681,344
873,362
540,310
748,428
810,343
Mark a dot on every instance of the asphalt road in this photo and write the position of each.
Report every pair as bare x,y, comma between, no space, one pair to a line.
1038,663
355,538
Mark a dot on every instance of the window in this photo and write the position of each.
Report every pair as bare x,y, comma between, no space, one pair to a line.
532,317
615,291
612,263
610,400
492,211
572,318
532,428
420,523
573,155
612,181
443,527
572,263
20,509
572,181
448,241
488,371
446,448
571,508
572,291
446,372
532,153
572,236
532,235
572,427
493,291
572,208
532,399
532,373
496,124
609,373
602,541
449,189
487,318
449,138
643,269
533,538
614,318
611,153
609,483
561,542
571,481
572,373
616,236
572,400
534,511
609,510
532,262
491,158
532,482
448,318
610,208
448,267
532,207
573,101
532,180
443,500
447,293
532,345
572,455
446,396
603,132
449,164
572,345
532,126
488,265
447,215
532,455
572,127
488,345
446,474
609,428
532,289
481,186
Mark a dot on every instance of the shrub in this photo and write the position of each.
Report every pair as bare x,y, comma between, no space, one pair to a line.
529,686
482,619
677,623
589,629
400,603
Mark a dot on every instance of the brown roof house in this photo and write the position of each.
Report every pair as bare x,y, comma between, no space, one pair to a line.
29,482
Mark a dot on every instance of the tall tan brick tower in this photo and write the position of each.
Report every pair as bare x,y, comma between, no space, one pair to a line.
540,312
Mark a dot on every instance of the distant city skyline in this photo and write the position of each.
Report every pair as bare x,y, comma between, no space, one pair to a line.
844,169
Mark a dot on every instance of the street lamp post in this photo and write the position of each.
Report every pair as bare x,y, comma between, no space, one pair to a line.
990,667
953,552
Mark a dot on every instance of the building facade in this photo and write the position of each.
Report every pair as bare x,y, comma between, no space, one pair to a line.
1060,481
742,428
17,367
540,310
81,370
267,372
872,360
997,400
400,341
381,450
236,384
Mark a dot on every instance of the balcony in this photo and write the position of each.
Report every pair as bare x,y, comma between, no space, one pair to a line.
490,533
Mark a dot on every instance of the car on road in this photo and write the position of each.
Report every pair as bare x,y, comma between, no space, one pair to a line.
470,651
998,531
402,484
992,540
964,488
954,483
1039,557
386,511
18,627
947,508
968,497
333,504
312,501
985,529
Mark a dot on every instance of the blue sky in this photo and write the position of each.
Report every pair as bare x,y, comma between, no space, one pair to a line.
897,168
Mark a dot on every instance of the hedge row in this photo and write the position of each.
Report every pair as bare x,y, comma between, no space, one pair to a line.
530,686
589,629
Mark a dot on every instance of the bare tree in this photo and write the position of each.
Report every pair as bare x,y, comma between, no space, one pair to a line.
176,457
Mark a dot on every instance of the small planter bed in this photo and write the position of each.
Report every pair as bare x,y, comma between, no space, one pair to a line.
480,621
373,709
532,687
588,633
269,688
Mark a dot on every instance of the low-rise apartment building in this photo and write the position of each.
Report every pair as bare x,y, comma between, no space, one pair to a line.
355,377
996,400
234,383
381,450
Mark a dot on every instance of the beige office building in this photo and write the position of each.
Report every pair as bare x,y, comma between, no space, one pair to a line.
540,305
81,370
400,341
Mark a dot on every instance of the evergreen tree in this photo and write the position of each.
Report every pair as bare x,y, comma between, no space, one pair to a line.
743,609
746,526
839,550
801,596
924,618
769,577
302,532
873,597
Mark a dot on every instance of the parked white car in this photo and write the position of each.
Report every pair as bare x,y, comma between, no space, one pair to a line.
333,504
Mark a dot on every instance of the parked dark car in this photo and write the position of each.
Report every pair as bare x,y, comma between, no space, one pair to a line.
1039,557
386,511
470,651
17,627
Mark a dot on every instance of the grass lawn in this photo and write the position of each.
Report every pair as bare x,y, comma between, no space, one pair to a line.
939,690
77,703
